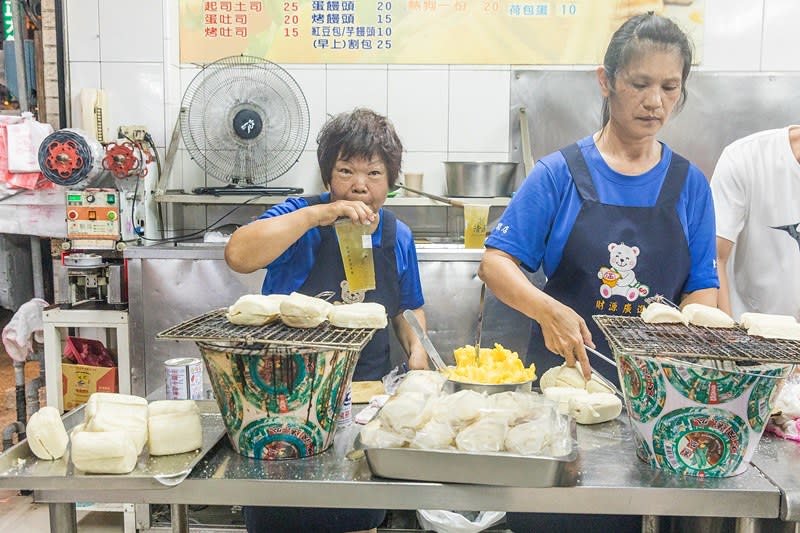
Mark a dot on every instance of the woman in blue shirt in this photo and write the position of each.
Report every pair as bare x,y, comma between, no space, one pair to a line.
359,155
615,217
612,219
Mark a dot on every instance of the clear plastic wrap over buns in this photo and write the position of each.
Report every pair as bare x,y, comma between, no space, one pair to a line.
421,416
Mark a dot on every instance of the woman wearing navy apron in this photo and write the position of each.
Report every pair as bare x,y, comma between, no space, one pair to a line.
359,155
611,219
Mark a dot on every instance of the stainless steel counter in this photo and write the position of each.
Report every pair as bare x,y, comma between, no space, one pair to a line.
779,460
606,478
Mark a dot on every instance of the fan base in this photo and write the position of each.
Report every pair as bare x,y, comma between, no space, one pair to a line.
248,191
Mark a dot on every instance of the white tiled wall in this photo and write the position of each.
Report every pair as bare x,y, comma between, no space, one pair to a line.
130,49
733,34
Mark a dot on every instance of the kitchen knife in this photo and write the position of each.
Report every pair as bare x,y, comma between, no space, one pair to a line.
416,327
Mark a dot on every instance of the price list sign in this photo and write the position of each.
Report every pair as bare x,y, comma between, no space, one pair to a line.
417,31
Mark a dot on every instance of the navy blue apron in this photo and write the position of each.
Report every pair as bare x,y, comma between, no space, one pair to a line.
327,274
615,256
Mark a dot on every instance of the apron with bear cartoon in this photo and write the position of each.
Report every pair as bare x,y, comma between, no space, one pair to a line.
615,256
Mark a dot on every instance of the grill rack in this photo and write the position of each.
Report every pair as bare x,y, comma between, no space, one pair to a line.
634,336
214,327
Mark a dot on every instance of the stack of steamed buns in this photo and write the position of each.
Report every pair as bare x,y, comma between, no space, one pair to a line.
421,416
300,311
115,431
757,324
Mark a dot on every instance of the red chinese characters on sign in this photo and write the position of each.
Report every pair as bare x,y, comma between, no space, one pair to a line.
228,19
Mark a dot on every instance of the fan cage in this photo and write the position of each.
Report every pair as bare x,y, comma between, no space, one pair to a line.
222,89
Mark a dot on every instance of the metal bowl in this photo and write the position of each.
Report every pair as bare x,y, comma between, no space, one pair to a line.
479,178
452,386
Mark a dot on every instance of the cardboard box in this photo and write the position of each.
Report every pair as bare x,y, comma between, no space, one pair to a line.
80,381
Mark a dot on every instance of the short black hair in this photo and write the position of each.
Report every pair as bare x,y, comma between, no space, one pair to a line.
637,32
359,133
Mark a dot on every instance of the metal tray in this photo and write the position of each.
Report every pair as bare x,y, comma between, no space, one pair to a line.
506,469
20,469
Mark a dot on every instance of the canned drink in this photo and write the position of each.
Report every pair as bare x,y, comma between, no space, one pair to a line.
346,414
184,378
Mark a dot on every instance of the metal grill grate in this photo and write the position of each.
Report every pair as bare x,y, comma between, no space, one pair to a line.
634,336
213,326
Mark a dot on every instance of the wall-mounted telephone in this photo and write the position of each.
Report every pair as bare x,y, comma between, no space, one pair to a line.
94,114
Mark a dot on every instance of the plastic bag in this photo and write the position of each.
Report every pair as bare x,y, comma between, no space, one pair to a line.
24,180
23,143
788,400
4,122
786,422
15,180
88,352
216,236
24,327
454,522
393,379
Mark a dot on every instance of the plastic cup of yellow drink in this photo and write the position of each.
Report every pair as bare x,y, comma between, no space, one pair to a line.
476,217
355,245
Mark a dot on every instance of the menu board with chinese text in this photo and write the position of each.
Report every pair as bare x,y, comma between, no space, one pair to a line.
417,31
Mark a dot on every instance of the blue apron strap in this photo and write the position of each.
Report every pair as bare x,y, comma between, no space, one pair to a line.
579,171
673,182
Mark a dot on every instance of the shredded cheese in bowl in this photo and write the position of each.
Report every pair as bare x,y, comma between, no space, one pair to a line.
492,366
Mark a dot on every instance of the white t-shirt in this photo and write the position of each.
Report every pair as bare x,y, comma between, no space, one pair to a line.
756,188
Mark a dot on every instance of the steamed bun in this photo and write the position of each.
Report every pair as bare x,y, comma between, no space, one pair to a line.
426,382
368,315
460,408
529,438
485,435
301,311
404,414
47,436
255,309
433,436
658,313
375,435
513,407
707,316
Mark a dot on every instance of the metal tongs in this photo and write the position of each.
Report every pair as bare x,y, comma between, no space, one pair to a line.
416,327
444,200
481,304
600,376
658,298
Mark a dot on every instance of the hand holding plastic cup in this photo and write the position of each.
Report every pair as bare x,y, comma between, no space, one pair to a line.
355,245
476,217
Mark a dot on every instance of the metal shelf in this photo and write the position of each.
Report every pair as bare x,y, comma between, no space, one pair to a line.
401,201
56,322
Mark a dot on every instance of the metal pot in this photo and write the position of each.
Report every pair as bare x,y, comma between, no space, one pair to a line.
479,178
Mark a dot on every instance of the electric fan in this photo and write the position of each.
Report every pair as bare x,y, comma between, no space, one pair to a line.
245,121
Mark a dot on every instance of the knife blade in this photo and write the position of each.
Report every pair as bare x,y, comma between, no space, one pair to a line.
416,327
480,319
